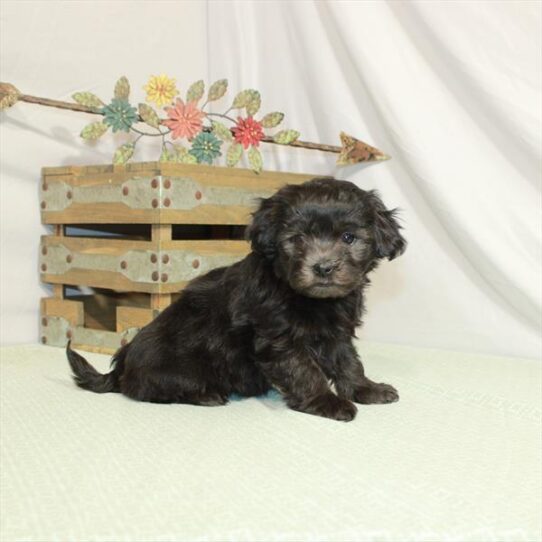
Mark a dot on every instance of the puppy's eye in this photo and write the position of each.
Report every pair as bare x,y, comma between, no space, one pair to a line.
348,238
295,238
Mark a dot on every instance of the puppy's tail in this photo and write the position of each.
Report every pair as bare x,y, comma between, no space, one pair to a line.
88,378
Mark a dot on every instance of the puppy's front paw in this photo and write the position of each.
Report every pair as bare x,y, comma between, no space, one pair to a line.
376,394
329,406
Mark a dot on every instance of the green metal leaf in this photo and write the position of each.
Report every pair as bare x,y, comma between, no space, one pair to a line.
234,154
255,101
271,120
188,159
122,88
174,153
195,92
217,90
178,152
221,131
123,153
94,130
285,137
149,115
243,99
255,159
88,99
165,156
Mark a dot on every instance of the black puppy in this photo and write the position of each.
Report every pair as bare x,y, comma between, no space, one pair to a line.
283,317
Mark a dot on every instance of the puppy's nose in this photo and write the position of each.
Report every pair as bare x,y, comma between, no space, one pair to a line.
323,268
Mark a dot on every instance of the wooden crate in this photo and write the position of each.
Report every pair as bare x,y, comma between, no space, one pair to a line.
137,234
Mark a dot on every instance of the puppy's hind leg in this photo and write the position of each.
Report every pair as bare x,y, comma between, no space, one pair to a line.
155,387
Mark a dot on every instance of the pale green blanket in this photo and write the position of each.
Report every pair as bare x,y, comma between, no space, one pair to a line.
458,458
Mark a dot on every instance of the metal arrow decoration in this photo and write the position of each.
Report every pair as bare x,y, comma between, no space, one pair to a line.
185,121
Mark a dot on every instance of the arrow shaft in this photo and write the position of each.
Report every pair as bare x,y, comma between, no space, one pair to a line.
57,103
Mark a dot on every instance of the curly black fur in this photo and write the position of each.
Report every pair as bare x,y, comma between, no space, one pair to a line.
283,317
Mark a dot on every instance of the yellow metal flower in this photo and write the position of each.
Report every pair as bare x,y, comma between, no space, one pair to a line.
161,90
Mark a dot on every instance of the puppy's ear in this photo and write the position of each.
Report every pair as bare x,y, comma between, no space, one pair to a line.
388,241
262,232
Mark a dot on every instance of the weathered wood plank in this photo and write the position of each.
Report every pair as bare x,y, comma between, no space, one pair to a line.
156,266
118,213
160,302
133,317
168,194
73,311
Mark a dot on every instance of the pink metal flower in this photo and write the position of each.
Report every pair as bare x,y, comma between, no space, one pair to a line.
248,132
185,120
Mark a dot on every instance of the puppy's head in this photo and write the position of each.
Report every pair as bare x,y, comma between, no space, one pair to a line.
325,235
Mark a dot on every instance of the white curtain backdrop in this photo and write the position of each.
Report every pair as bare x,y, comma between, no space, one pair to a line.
452,90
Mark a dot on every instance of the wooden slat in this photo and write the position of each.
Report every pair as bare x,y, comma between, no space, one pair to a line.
130,317
116,248
101,213
160,301
93,348
104,279
98,245
106,245
118,213
235,215
73,311
170,168
227,206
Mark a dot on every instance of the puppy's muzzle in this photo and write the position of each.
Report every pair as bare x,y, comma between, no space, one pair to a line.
324,268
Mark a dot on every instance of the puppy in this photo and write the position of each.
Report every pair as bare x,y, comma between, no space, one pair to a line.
283,317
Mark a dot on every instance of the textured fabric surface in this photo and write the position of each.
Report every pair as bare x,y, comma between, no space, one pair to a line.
457,459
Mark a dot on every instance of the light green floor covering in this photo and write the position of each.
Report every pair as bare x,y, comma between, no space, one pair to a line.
457,459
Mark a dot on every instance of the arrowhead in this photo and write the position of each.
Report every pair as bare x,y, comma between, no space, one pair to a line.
354,151
8,95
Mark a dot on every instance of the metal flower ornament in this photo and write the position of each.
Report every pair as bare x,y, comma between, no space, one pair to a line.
191,133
